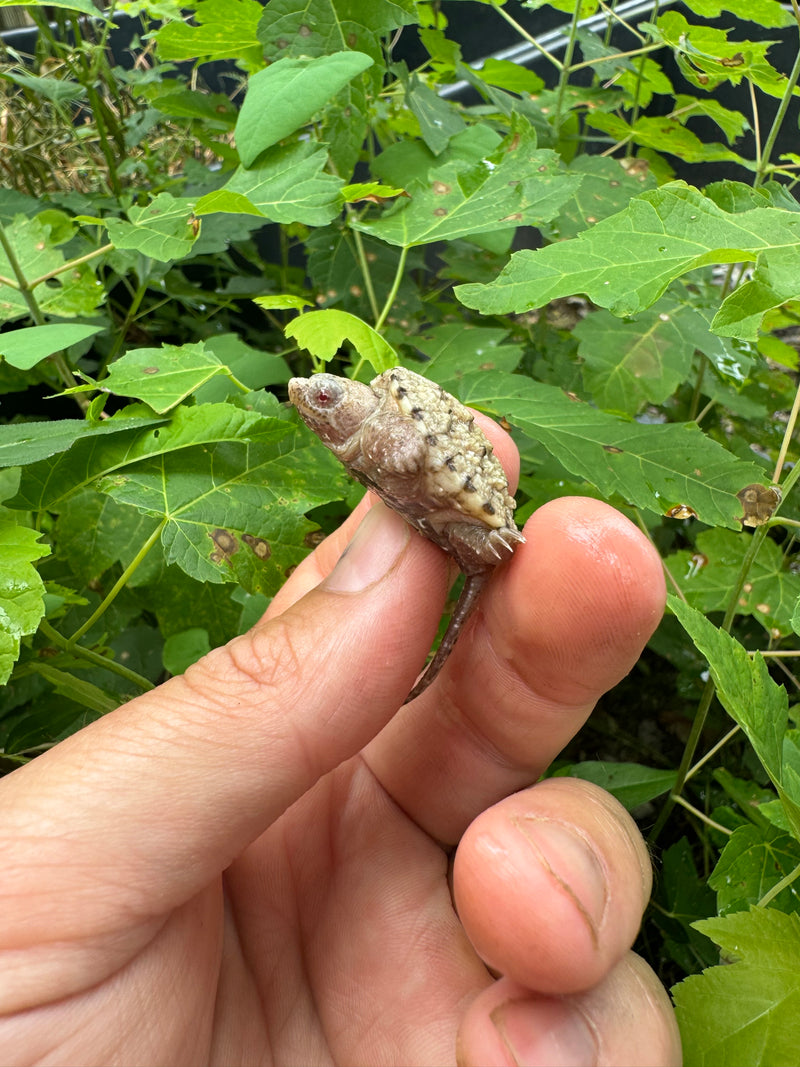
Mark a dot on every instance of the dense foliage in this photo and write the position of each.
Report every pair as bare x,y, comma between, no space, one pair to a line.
171,207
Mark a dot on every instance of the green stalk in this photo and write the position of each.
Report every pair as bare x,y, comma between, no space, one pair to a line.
786,881
708,693
777,122
366,273
94,657
119,585
398,277
24,287
527,36
566,68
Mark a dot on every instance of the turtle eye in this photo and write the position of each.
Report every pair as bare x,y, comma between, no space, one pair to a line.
326,395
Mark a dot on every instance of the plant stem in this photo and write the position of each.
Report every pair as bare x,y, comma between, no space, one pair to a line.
566,68
702,817
787,880
787,437
366,273
620,55
122,331
94,657
72,263
527,36
712,751
119,585
25,288
398,277
701,715
780,115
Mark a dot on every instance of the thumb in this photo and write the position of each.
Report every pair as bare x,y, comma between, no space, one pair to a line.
176,783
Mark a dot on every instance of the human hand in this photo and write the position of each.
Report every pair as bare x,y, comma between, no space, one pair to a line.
250,863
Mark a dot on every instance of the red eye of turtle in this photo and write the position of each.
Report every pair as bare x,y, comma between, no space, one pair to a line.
323,397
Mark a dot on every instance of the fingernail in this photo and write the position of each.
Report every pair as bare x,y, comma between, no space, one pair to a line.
546,1032
572,862
372,552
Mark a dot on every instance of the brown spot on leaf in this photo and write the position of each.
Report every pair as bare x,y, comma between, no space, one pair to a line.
314,538
732,61
259,546
304,31
515,217
758,503
441,188
613,450
226,544
681,511
151,370
440,211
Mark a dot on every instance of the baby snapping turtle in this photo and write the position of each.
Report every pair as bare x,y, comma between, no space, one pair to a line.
419,449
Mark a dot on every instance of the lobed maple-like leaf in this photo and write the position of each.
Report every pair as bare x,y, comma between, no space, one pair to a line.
745,1012
625,262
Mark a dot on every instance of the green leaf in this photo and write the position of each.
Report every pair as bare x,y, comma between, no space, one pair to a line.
629,364
285,95
73,292
641,84
282,302
234,511
516,185
161,377
288,185
665,135
161,230
26,347
322,27
732,123
439,120
626,261
775,280
682,897
214,109
650,466
226,29
324,332
183,649
55,89
745,1012
93,533
86,7
48,483
767,13
351,194
753,861
707,58
750,697
29,442
250,367
78,690
606,188
456,348
409,163
631,783
512,76
21,588
706,574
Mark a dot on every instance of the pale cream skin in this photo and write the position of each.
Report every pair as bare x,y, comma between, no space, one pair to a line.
250,863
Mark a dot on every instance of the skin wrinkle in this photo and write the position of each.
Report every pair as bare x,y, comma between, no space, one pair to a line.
520,824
